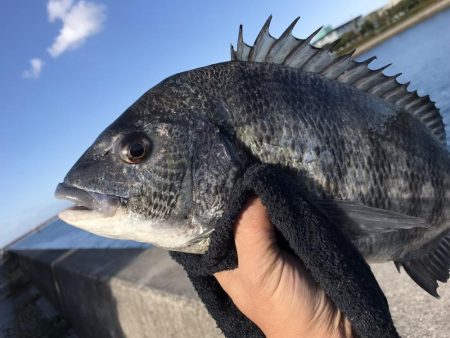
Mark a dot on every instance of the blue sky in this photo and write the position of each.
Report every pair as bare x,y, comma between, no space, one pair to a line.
69,68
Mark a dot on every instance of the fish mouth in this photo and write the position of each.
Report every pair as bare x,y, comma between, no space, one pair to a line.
88,204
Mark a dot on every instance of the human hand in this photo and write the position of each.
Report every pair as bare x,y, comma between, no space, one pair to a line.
273,288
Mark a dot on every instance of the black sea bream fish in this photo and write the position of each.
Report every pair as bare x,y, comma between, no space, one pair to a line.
372,155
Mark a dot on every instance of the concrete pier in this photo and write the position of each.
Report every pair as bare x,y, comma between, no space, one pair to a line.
144,293
24,312
119,292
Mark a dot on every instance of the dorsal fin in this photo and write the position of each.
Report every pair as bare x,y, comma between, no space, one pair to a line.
297,53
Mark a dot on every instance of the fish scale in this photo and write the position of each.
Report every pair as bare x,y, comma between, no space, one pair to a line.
369,158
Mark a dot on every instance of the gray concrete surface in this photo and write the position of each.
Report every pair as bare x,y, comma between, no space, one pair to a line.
24,313
119,292
415,313
143,293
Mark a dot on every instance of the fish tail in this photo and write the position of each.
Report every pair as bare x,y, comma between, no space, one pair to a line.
429,264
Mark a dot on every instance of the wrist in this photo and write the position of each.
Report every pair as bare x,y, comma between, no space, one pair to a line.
334,326
330,325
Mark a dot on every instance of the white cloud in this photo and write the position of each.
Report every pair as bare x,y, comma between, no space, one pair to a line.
57,9
35,69
80,21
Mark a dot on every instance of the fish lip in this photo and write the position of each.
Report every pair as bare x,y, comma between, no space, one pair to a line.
107,205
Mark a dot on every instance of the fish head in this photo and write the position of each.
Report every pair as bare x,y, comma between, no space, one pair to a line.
152,180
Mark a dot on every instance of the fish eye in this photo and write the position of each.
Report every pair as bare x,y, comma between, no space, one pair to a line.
135,147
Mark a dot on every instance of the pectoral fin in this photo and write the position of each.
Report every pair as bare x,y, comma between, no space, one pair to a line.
358,220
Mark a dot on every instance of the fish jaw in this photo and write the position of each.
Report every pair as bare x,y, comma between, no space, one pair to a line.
92,211
161,233
107,216
94,222
89,202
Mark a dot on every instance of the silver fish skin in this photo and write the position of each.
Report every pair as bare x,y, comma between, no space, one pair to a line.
165,168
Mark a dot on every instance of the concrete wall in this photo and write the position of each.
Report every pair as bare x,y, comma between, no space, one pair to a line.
143,293
119,292
23,310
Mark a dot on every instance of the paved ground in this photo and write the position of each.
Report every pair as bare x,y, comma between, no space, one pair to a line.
415,312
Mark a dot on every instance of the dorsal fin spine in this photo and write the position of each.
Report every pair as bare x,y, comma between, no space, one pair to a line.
434,124
317,62
332,45
407,99
353,74
428,117
421,110
289,30
385,86
333,70
371,79
282,40
264,31
419,101
290,56
240,45
303,44
297,53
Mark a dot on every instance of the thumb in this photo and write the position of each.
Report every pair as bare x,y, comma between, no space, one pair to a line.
255,235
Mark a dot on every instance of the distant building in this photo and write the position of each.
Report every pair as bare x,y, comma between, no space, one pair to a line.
324,31
336,33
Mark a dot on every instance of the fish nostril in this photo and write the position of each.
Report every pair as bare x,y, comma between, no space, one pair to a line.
101,155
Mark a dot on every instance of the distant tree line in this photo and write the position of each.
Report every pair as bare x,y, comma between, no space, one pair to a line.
404,6
377,22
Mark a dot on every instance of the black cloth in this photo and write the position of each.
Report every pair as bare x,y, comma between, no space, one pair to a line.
307,233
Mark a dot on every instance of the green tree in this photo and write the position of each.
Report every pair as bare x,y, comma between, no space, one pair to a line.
366,27
346,39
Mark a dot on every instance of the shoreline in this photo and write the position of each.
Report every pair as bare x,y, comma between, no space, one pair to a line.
27,233
402,26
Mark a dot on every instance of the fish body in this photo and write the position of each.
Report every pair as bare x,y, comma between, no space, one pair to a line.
371,155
